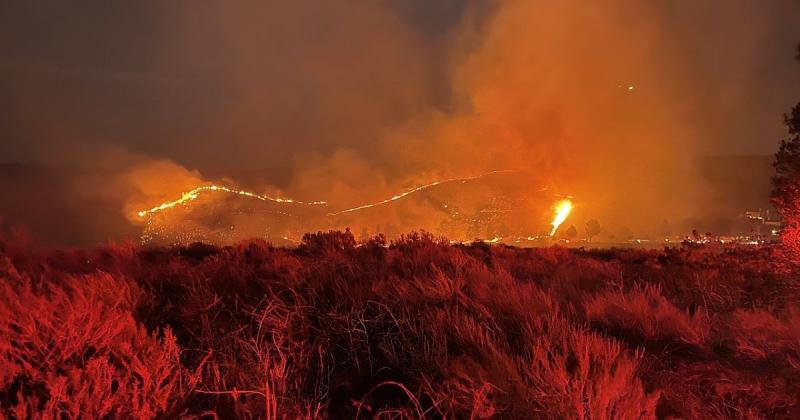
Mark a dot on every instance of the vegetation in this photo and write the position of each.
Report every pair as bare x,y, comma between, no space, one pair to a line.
593,228
786,184
416,328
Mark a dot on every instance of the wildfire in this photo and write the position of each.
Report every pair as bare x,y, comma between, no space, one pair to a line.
562,210
418,189
193,194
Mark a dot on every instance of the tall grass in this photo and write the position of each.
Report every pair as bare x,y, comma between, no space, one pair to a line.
414,329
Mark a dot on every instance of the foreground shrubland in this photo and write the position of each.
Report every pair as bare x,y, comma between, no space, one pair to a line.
419,328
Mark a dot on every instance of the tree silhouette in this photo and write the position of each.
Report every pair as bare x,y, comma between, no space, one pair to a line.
786,182
593,228
570,233
787,168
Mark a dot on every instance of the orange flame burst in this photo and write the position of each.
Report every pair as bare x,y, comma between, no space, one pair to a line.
193,194
562,210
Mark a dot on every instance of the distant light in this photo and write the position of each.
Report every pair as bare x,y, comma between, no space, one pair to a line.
630,87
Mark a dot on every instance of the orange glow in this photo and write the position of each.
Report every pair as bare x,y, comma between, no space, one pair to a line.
562,210
193,194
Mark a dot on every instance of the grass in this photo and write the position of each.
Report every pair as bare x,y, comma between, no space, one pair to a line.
416,328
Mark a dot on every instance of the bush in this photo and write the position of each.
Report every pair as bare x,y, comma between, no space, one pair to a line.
73,350
643,316
414,328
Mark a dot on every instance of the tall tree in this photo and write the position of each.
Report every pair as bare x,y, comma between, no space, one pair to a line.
593,228
571,233
786,182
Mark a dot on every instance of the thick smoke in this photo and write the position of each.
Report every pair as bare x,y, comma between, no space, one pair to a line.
603,101
585,98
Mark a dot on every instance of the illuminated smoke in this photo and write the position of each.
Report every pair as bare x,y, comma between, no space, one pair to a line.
193,194
562,210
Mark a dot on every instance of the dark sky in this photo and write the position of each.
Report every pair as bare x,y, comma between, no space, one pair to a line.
263,81
164,78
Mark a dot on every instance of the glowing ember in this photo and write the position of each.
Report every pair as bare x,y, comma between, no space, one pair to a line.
193,194
562,210
420,188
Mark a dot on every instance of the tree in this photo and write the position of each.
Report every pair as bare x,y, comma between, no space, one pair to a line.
786,182
570,233
593,228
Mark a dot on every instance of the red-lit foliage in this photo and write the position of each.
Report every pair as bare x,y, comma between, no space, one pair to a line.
419,328
72,349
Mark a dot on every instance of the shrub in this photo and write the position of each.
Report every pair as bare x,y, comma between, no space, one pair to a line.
759,335
73,350
643,316
415,328
578,374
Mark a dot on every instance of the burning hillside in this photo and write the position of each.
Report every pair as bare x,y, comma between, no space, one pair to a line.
491,205
188,196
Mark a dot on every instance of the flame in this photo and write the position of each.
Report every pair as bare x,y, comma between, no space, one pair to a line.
193,194
562,210
418,189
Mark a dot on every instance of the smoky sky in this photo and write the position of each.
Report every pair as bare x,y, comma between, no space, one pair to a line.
357,99
215,85
253,84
